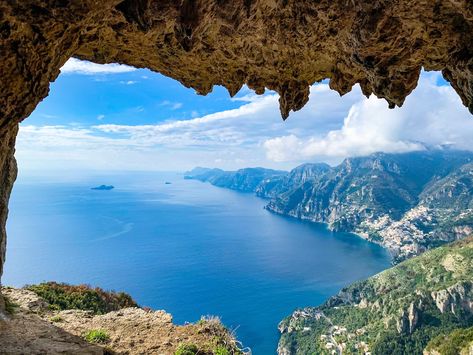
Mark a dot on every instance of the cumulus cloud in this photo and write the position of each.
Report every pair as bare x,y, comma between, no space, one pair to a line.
431,117
76,66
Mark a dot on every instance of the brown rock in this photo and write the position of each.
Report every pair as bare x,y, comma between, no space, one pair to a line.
32,330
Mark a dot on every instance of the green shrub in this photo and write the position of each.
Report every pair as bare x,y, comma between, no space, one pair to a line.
56,319
186,349
97,336
453,343
10,306
61,296
220,350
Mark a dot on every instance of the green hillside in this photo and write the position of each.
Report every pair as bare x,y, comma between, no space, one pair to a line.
395,312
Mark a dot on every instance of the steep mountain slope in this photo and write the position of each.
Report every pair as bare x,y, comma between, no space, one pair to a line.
405,202
395,312
296,177
458,342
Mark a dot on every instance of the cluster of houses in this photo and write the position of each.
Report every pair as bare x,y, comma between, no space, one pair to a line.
335,347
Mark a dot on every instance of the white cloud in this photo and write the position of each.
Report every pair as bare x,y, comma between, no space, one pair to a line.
100,117
171,104
329,128
176,106
76,66
432,116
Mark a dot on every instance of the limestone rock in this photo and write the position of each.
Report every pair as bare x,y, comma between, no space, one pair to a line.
36,329
454,298
278,44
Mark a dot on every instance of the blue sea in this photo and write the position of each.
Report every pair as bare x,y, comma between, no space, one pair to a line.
187,247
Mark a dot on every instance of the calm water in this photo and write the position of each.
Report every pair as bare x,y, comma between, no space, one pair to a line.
188,247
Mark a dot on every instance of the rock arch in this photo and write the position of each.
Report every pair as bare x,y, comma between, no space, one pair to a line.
283,45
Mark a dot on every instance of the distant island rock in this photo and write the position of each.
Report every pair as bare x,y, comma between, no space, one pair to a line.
103,187
168,183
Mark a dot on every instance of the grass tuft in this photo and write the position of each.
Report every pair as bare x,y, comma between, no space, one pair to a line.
97,336
56,319
187,349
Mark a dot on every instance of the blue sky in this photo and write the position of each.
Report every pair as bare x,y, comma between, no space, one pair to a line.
131,97
112,117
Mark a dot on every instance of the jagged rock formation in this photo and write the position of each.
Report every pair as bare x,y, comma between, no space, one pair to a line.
277,44
283,45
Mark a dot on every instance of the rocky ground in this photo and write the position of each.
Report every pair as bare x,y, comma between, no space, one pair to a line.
33,328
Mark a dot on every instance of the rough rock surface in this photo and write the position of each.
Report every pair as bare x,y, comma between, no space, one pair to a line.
283,45
35,329
27,333
8,171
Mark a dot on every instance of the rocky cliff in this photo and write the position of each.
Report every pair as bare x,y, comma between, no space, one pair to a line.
406,202
395,312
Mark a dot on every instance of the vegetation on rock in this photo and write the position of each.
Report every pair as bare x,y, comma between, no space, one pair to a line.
407,202
458,342
36,327
395,312
10,306
61,296
56,319
97,336
187,349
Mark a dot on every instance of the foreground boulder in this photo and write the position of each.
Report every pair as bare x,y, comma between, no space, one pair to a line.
34,326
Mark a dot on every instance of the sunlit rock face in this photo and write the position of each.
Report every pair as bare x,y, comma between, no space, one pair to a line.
282,45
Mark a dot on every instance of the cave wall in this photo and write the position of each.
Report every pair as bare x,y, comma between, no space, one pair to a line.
8,171
283,45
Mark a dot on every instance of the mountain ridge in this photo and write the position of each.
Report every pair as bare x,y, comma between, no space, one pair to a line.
407,202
